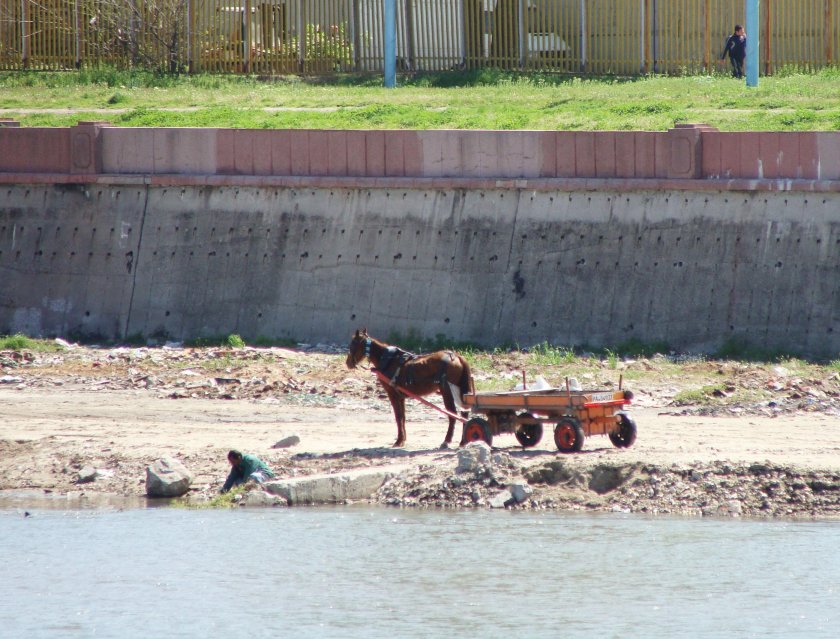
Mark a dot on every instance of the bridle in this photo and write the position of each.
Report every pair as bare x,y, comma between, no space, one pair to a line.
366,354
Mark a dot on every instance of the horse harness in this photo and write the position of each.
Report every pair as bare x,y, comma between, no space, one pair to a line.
398,359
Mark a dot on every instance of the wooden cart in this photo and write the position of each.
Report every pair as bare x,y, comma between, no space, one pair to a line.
573,414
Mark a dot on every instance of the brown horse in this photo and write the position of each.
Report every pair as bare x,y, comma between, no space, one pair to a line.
442,372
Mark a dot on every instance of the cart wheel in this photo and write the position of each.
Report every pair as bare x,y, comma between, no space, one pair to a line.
529,433
477,429
626,433
568,435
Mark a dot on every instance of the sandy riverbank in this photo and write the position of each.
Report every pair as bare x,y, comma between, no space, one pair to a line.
60,418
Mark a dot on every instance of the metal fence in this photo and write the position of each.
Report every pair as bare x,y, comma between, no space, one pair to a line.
624,37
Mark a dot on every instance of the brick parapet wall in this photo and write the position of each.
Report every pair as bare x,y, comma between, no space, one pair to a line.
688,156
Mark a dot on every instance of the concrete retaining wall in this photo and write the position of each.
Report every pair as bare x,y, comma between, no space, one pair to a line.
691,262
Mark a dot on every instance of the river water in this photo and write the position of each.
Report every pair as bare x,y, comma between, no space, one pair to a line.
377,572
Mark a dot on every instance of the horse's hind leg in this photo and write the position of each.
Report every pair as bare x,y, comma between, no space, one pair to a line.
398,404
449,402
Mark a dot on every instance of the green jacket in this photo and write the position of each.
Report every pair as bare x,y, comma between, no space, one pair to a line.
240,473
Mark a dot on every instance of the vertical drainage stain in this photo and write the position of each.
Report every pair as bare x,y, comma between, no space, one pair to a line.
518,285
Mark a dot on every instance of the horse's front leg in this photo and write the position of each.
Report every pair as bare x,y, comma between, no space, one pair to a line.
398,404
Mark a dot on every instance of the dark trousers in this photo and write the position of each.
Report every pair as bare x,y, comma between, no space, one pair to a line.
737,67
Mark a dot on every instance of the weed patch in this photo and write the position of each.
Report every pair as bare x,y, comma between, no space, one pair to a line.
20,342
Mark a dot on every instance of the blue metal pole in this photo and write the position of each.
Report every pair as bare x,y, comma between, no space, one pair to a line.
390,18
752,42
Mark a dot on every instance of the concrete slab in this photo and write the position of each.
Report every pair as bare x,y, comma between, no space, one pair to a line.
333,489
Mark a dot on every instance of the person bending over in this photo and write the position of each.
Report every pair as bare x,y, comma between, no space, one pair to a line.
245,468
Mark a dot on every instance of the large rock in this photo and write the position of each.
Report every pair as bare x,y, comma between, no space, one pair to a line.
259,498
332,489
288,442
473,457
167,477
521,491
86,475
502,500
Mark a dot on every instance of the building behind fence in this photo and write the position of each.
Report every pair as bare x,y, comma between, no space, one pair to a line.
623,37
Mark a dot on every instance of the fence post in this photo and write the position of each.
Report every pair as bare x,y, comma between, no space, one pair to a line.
301,29
190,36
409,33
642,35
389,26
654,64
246,37
768,48
133,29
521,35
754,44
24,33
646,34
77,29
829,33
462,36
707,36
583,35
357,38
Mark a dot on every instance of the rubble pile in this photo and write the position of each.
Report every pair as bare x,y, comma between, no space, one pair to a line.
723,489
481,479
709,490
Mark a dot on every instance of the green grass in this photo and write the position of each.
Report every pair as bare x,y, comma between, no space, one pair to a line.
227,500
743,350
19,342
544,354
230,341
708,394
222,364
484,99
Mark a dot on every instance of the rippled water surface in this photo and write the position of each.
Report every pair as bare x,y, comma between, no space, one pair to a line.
375,572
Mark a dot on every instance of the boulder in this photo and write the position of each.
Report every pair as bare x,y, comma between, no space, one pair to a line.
167,477
521,492
288,442
86,475
501,500
472,457
259,498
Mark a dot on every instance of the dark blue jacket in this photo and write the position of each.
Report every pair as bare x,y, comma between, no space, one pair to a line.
736,47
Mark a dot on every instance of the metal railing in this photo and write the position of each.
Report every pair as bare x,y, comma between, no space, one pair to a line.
624,37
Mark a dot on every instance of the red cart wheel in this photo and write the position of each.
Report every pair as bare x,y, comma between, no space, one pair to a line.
529,432
626,433
568,435
478,429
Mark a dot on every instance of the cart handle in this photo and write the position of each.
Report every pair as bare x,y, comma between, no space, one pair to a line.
387,380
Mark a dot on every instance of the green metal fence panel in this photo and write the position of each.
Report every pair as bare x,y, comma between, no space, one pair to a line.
271,37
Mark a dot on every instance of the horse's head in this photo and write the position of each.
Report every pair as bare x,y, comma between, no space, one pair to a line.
358,348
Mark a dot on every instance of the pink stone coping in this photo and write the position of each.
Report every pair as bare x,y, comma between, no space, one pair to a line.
753,160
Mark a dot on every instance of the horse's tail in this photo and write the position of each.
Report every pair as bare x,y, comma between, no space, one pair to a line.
466,383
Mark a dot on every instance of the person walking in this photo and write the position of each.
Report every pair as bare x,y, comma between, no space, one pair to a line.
736,47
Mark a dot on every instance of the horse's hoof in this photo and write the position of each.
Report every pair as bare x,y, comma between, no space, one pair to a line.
444,446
